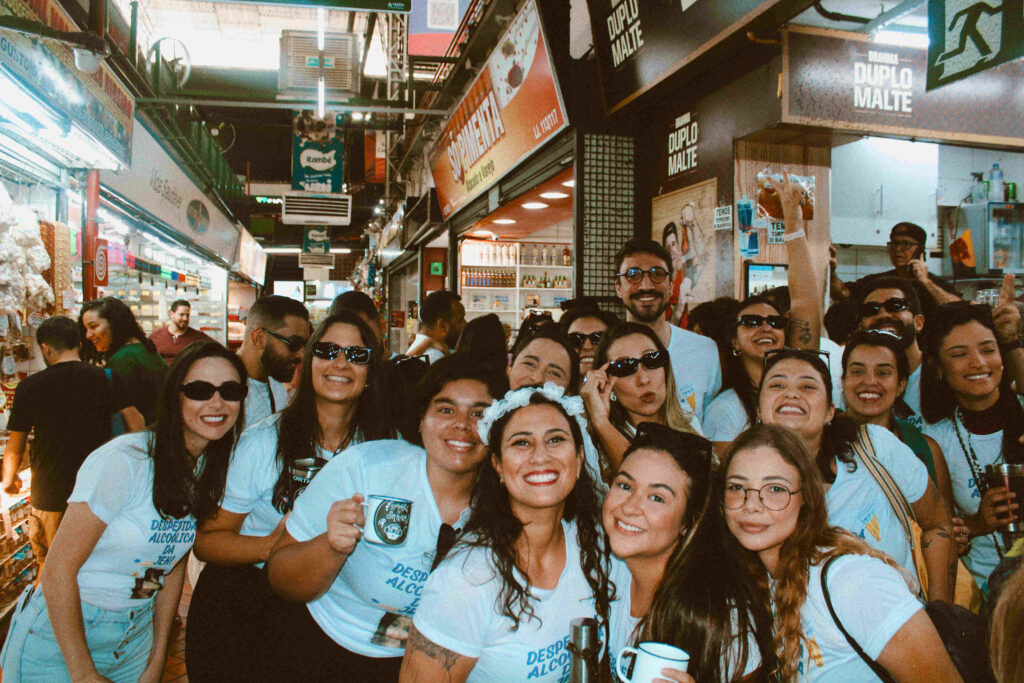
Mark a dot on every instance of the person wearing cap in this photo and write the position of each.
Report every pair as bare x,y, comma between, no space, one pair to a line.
907,253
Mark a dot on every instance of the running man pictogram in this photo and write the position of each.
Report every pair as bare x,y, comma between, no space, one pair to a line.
970,31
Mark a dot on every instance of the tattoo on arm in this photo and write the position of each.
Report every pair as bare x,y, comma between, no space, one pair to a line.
418,642
802,330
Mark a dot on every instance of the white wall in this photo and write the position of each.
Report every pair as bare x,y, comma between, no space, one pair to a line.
957,163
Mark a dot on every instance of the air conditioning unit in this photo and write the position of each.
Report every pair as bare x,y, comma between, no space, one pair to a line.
311,208
300,64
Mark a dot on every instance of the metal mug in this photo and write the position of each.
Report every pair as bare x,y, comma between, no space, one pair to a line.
1010,477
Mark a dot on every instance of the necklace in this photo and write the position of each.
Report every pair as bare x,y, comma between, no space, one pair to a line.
972,462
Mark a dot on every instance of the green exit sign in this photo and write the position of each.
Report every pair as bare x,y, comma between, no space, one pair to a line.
403,6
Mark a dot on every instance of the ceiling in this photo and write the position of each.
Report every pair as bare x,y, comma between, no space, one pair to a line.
530,221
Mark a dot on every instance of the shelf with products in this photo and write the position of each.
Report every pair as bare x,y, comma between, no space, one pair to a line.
18,568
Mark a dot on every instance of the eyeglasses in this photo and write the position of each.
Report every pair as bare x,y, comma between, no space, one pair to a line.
353,354
808,355
904,244
535,321
577,339
774,497
891,305
204,391
635,276
294,344
754,321
624,367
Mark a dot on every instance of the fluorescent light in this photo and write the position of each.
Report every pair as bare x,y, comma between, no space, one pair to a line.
283,250
357,116
553,195
569,183
320,42
901,39
483,233
341,250
533,206
503,221
320,97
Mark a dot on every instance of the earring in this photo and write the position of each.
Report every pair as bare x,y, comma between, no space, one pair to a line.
736,352
613,397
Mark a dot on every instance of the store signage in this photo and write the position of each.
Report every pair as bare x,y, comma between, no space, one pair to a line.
317,240
844,81
317,166
512,108
97,102
681,146
639,43
402,6
968,36
252,259
99,264
156,185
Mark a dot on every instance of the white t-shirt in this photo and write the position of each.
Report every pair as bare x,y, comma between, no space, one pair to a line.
835,367
912,397
857,503
252,475
872,602
432,353
695,368
988,448
725,418
138,548
459,612
380,585
258,400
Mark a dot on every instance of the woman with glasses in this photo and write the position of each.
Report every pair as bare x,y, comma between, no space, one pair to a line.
500,605
831,592
363,590
796,392
633,384
109,590
544,355
971,410
679,576
760,326
113,337
336,405
584,325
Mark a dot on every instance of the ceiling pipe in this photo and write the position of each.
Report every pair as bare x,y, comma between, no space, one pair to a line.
838,16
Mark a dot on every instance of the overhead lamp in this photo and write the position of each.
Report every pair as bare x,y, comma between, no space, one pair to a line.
569,183
533,206
553,195
341,250
484,233
902,38
283,250
503,221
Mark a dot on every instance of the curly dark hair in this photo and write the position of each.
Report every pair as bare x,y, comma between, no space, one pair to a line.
123,326
493,525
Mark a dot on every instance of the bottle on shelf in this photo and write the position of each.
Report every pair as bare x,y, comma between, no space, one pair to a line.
995,183
566,256
535,260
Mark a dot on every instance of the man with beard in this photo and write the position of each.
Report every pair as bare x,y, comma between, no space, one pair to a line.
643,280
276,331
176,335
442,317
891,303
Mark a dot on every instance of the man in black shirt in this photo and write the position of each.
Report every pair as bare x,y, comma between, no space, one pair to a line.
69,404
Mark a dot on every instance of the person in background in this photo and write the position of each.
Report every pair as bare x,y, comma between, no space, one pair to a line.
1007,632
775,507
907,254
713,318
114,337
485,337
176,334
110,588
584,325
276,330
841,320
442,317
530,560
362,305
69,405
544,355
643,274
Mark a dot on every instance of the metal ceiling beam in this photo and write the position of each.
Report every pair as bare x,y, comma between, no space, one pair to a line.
892,16
277,104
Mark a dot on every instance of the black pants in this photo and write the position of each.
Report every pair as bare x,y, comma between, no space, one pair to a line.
229,624
303,653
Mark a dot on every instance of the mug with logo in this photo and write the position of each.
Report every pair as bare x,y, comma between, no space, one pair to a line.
648,661
387,520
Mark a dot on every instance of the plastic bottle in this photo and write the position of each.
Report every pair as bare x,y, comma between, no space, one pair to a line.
979,193
995,183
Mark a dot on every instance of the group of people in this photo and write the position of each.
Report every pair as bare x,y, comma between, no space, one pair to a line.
446,514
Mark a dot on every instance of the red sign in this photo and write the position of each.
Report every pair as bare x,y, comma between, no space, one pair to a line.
397,319
511,109
99,263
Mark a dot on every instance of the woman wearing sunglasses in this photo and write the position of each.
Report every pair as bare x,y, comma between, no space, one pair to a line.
796,392
544,355
500,606
584,326
633,384
971,410
679,576
113,576
362,592
775,507
336,405
761,326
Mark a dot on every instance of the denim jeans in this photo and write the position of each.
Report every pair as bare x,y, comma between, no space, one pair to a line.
119,642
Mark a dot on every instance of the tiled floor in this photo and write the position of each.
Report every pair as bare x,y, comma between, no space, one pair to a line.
175,668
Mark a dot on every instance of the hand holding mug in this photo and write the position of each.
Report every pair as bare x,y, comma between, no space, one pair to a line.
996,510
653,663
345,520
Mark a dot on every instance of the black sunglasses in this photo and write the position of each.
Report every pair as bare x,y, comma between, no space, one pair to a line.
577,339
803,354
353,354
635,275
293,343
892,305
754,321
204,391
624,367
535,321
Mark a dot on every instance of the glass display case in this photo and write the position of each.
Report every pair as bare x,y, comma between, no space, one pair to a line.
982,238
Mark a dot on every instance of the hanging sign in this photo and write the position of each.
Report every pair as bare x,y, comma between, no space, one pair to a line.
968,36
681,146
317,240
512,108
317,166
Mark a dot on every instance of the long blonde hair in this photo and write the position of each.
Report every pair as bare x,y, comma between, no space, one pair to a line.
812,542
1005,651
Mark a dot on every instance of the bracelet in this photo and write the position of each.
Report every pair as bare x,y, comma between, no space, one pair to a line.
1011,346
790,236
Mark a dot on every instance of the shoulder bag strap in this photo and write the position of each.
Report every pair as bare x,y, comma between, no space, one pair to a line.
866,453
875,666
